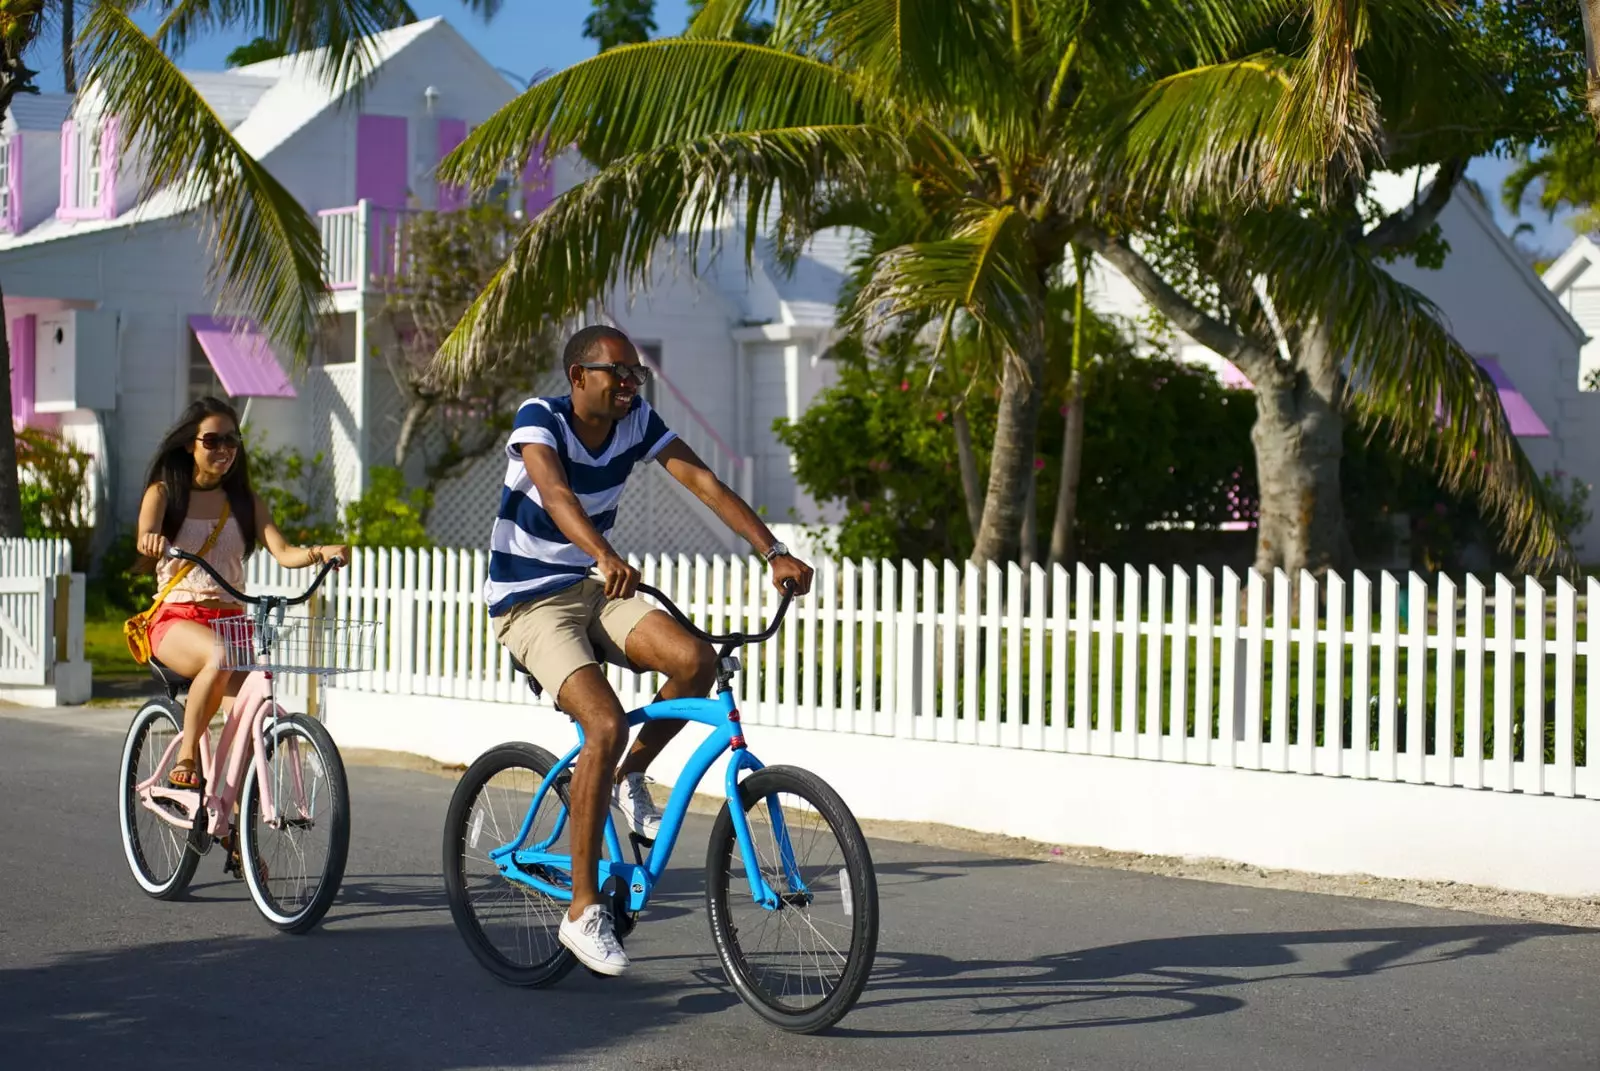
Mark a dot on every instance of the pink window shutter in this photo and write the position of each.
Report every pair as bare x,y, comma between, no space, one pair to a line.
23,337
381,160
13,181
69,166
452,132
537,184
110,153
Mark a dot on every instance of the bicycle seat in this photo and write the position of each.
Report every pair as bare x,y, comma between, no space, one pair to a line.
174,682
533,682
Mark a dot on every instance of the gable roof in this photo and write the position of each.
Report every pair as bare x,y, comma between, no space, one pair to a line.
264,104
1582,255
38,111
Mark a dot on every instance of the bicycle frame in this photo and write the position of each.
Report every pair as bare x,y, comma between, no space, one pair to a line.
722,716
252,707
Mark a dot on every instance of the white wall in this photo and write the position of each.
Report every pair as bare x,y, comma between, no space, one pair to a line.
1318,824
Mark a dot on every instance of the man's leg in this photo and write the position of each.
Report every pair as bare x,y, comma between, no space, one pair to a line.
589,698
660,644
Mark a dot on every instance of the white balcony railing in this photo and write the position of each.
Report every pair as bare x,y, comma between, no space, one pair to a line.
364,246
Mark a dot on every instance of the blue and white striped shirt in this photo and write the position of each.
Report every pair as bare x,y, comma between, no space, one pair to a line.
529,557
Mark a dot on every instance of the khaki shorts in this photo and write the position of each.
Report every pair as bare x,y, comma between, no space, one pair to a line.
559,634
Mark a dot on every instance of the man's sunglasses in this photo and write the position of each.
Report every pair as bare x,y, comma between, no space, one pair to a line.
636,373
229,440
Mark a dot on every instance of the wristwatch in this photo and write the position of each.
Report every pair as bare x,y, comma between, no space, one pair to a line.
777,550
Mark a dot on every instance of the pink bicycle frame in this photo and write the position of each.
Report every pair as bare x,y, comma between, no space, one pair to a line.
252,706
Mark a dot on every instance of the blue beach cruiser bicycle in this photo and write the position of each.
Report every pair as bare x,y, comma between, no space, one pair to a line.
790,888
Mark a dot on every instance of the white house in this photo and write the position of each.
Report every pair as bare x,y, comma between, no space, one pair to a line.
113,331
1574,279
1498,309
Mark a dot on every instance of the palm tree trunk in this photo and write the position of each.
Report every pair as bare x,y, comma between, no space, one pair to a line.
1072,433
10,485
1011,461
1591,47
69,61
1299,441
968,463
1061,550
1030,521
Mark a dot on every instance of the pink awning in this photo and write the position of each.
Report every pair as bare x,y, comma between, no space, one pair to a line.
1525,423
243,361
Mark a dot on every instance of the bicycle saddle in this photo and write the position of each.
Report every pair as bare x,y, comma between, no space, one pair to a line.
533,683
170,679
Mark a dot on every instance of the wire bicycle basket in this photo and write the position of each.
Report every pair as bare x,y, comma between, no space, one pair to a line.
303,643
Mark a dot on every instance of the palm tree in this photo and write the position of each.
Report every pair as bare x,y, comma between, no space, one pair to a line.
1014,119
1300,301
267,251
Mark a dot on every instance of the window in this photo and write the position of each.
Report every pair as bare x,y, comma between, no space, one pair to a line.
651,351
6,192
202,377
88,168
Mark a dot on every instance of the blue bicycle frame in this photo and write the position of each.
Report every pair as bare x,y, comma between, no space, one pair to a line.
533,865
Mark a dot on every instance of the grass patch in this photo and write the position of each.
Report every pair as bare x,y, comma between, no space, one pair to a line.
106,650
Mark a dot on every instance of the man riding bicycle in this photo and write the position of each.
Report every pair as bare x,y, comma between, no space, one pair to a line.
568,460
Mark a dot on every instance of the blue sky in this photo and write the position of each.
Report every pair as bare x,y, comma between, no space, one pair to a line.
528,35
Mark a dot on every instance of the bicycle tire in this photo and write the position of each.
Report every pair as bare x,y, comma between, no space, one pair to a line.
864,896
128,809
458,818
337,814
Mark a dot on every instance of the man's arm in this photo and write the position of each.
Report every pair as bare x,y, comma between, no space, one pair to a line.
544,469
686,467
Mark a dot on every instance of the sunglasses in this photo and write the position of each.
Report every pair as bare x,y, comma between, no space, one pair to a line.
636,373
228,440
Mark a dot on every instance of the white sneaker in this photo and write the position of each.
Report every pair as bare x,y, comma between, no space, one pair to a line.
593,939
632,798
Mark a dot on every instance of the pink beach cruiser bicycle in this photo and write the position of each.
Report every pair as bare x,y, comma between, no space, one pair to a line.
272,791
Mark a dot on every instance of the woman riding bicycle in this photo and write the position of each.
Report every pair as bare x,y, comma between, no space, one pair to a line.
198,497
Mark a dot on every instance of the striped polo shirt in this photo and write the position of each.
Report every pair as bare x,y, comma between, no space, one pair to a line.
529,557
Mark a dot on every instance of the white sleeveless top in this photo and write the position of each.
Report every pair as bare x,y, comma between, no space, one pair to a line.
226,556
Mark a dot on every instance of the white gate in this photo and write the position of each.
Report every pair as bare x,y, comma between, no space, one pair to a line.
36,603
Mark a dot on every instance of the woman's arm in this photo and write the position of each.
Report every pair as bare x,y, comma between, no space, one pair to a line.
152,510
285,553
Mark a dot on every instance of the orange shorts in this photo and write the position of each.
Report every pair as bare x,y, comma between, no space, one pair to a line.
173,612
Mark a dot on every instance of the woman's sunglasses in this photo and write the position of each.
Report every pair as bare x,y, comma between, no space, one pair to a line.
228,440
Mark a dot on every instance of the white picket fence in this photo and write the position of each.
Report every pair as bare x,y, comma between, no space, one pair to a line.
1452,684
33,637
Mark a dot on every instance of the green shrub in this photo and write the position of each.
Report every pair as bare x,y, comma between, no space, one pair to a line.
388,514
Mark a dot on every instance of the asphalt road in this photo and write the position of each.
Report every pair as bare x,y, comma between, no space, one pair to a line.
982,962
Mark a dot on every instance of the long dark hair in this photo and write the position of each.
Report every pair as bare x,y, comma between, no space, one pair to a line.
173,468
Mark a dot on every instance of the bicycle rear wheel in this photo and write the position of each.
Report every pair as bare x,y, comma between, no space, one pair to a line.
828,903
294,864
510,927
162,857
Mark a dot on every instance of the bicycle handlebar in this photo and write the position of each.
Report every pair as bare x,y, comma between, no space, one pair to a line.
737,639
179,554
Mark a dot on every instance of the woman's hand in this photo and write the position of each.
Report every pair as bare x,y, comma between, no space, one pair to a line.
152,544
339,555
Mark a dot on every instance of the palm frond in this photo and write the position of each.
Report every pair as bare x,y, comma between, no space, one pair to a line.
952,52
337,32
1206,133
637,98
267,255
980,271
610,230
1406,371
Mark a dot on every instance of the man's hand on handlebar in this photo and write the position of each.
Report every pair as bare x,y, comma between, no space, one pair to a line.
621,579
788,568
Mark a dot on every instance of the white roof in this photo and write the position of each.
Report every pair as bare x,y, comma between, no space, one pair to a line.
38,111
264,104
1581,256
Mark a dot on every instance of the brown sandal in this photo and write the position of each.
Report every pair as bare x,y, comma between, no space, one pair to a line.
184,775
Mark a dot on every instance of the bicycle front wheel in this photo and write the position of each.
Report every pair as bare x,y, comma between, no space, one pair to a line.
293,863
161,856
510,927
802,965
